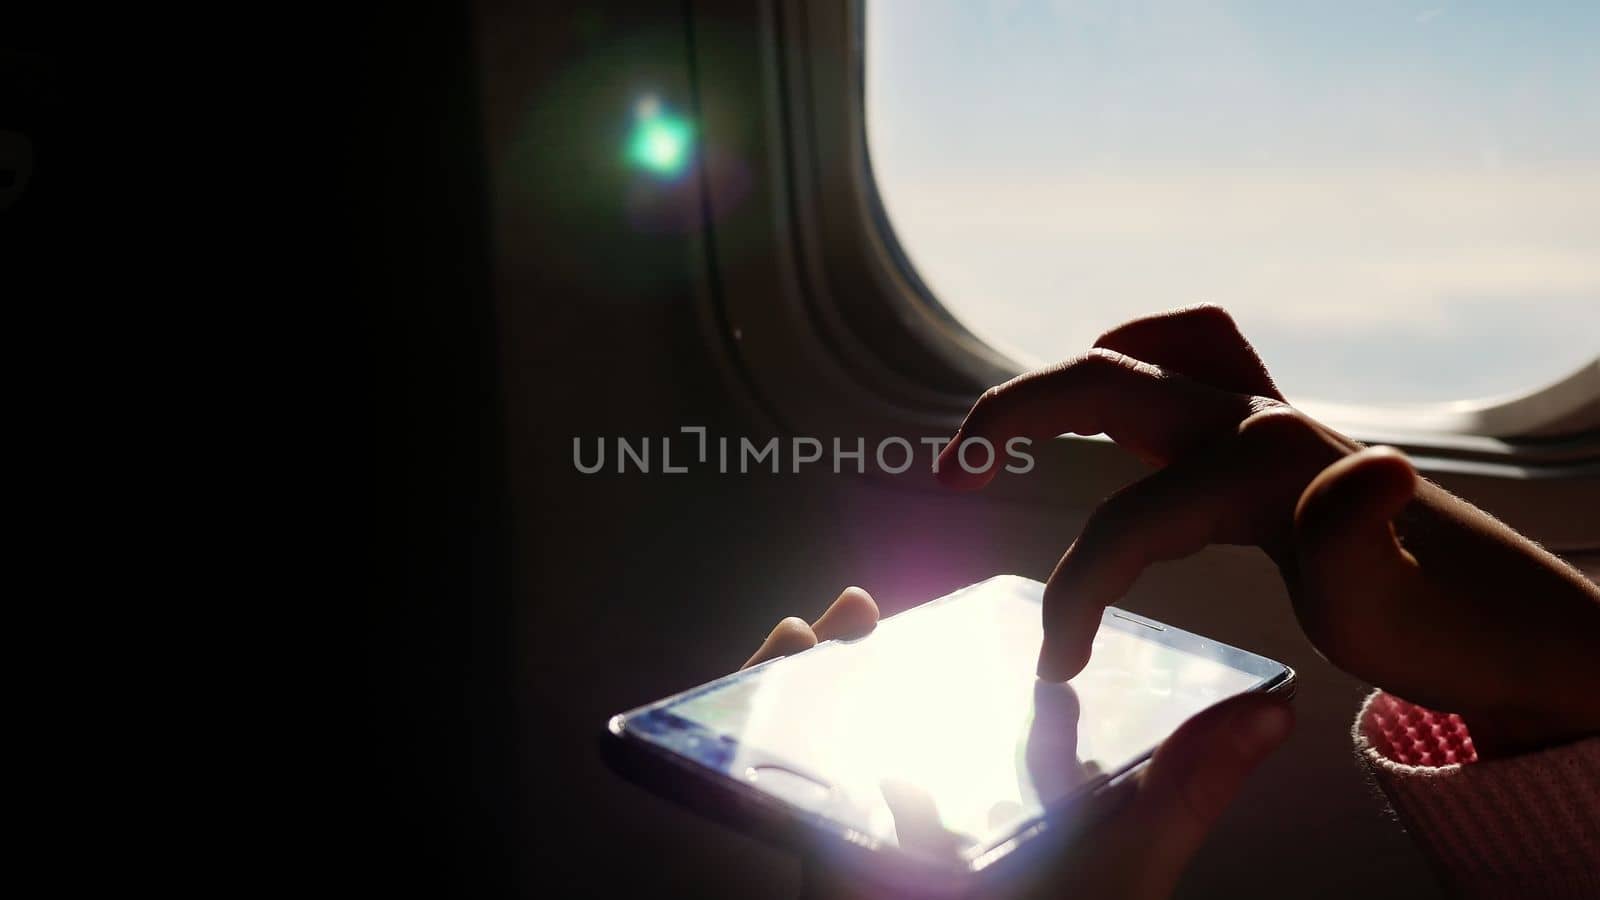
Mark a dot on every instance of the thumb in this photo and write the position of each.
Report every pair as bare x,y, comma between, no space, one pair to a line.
1191,780
1350,561
1342,530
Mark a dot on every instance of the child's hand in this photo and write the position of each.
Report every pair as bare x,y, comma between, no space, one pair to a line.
1393,579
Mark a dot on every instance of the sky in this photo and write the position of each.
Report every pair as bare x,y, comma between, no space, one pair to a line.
1400,202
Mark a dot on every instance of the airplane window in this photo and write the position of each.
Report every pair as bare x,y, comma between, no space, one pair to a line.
1399,201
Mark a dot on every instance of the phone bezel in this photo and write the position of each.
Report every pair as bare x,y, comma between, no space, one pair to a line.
655,747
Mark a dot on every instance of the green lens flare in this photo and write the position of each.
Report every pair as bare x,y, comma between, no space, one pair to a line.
661,143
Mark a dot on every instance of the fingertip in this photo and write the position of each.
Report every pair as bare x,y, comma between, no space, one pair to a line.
949,471
1047,668
1384,451
852,615
1389,465
1070,623
1370,484
944,465
860,601
788,637
856,594
793,631
1059,661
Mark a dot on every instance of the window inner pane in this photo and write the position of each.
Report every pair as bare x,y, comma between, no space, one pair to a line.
1400,202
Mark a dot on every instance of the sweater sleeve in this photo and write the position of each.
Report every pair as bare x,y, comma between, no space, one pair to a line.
1525,826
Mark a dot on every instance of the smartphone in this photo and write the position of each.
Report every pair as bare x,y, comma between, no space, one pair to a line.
927,755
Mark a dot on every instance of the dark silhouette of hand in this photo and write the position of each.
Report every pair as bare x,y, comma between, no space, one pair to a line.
1394,580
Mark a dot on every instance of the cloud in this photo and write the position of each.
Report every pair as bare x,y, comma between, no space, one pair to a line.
1319,257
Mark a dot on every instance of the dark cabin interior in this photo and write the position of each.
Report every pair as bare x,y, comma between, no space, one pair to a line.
519,291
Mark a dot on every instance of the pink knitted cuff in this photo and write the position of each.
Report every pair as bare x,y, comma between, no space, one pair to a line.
1526,826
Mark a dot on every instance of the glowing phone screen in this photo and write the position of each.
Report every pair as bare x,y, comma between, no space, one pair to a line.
934,733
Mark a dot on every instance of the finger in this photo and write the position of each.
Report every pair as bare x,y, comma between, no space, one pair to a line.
1155,413
1202,342
852,615
791,636
1168,515
1346,547
1193,777
1342,520
1243,492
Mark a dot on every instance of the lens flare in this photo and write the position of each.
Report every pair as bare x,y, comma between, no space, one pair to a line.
661,143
